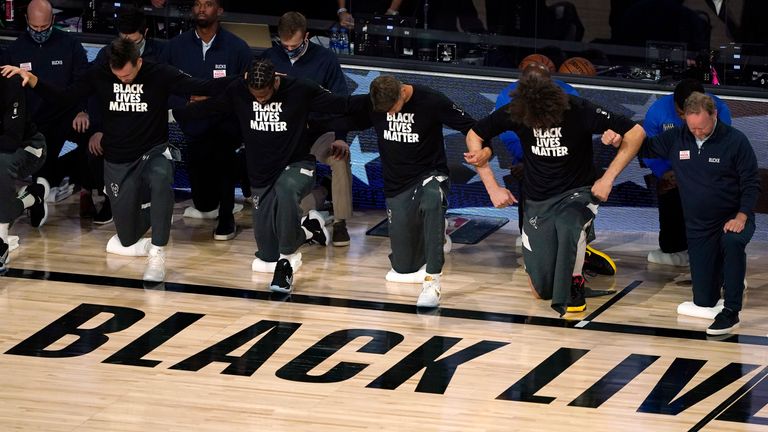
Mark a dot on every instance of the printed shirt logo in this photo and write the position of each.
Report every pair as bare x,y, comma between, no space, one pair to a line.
668,126
603,112
714,160
219,73
400,128
57,62
267,117
548,142
128,98
685,154
26,66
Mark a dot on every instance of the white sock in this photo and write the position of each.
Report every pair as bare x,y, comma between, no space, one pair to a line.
4,231
28,200
157,248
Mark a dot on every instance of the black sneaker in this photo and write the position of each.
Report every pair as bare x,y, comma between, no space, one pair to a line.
38,213
87,208
577,303
725,322
226,229
315,224
282,281
4,251
340,234
104,215
598,262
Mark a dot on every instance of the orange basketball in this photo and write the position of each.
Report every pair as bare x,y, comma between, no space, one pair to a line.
537,58
578,66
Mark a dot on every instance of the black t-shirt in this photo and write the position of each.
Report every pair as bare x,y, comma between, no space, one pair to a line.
136,114
274,133
410,142
557,159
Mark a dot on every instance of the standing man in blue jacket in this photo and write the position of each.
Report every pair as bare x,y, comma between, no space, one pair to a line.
297,56
667,113
209,51
56,57
716,171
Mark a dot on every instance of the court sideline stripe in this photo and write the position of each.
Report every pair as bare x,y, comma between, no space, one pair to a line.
378,306
610,302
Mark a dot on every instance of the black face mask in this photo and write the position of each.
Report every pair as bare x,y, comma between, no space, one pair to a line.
299,50
40,36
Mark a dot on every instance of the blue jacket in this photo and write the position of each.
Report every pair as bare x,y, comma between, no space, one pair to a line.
716,181
662,116
228,55
510,139
317,64
58,61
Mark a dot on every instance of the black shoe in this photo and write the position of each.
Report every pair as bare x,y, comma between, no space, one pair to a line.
315,224
38,213
282,281
577,303
87,209
226,229
340,234
4,251
598,262
104,215
725,322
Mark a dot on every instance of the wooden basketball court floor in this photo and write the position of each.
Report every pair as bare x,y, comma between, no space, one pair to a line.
85,346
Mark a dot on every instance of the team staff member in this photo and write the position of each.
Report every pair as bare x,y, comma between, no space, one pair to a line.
273,111
22,152
131,25
209,51
133,99
560,179
297,56
408,120
716,171
59,58
667,113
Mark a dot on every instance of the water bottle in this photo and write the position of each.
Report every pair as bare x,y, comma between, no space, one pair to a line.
333,43
343,41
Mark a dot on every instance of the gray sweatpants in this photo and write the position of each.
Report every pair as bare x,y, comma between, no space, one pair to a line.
417,225
141,193
17,166
551,232
277,211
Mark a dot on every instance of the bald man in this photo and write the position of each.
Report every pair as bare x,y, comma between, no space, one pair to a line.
56,57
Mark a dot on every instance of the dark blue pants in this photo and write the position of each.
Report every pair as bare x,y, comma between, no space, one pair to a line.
719,260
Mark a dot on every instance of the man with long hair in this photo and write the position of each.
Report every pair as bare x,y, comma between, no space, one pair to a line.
562,188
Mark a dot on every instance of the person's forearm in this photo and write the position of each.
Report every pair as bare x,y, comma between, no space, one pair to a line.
475,143
630,145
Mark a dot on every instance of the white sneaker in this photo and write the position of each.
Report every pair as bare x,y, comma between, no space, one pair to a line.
13,244
155,270
679,259
260,266
415,277
192,212
140,248
430,292
691,309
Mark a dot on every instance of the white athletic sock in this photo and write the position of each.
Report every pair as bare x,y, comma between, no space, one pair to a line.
28,201
4,231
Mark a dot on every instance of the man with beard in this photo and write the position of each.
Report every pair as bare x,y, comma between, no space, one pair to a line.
209,51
